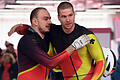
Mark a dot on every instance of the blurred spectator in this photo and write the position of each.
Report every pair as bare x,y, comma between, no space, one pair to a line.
116,74
0,52
10,48
8,68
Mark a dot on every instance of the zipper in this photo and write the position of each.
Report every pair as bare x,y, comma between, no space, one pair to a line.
74,68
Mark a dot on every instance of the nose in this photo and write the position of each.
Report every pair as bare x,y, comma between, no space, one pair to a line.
49,21
67,19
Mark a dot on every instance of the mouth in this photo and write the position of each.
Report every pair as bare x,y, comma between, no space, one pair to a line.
68,24
48,27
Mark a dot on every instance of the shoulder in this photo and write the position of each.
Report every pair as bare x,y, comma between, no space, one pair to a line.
83,29
25,39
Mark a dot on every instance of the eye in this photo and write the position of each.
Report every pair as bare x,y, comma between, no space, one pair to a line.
47,18
71,15
63,16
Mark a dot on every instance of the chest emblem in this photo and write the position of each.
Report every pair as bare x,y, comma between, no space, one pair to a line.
92,41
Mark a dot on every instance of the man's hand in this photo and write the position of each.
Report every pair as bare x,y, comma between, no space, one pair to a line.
14,29
81,41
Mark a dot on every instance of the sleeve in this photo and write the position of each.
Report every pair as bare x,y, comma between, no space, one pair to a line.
31,49
22,30
96,52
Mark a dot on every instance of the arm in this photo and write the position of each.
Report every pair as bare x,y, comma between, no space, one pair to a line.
77,44
31,49
96,52
19,28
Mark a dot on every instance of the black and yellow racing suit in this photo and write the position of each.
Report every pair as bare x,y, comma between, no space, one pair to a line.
79,66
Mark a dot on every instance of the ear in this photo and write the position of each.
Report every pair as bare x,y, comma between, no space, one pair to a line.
34,21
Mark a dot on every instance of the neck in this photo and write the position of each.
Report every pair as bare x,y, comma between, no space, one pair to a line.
70,30
41,34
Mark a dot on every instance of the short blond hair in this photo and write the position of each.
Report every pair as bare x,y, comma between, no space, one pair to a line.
11,57
64,5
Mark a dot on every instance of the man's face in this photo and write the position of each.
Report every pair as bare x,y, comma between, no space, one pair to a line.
43,21
66,18
10,48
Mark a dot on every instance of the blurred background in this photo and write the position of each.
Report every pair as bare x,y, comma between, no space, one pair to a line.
98,14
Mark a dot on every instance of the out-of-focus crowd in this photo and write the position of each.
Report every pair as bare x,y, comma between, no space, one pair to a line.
8,62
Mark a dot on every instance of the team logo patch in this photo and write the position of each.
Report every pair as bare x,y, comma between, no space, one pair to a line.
92,41
34,41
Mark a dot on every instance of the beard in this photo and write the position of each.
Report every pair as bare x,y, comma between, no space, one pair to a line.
41,30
